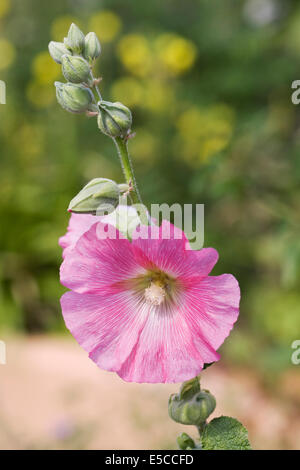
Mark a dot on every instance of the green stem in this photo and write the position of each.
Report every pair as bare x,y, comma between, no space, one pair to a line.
125,160
122,147
96,86
201,428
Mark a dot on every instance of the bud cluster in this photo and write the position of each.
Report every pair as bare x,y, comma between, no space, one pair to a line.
77,55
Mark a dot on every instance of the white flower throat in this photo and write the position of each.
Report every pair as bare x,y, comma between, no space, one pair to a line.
155,294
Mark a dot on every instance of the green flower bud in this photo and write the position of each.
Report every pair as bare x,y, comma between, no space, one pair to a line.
114,119
92,47
72,97
185,442
99,196
191,405
75,39
57,50
75,69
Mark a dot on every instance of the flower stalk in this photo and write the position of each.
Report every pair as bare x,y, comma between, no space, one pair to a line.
125,160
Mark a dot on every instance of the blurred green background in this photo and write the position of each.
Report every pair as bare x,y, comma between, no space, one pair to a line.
209,84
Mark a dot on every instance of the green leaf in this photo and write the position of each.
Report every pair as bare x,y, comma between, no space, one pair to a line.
225,433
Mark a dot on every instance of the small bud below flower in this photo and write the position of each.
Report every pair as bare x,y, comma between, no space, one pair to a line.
73,97
100,196
57,50
184,441
192,407
92,47
114,119
75,39
75,69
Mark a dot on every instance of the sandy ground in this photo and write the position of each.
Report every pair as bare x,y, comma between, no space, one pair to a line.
53,397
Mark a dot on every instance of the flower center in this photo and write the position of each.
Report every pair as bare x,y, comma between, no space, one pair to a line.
155,294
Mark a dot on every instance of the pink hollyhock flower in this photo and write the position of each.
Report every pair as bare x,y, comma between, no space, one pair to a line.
147,308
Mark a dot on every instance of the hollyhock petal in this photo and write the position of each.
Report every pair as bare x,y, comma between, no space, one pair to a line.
78,225
124,218
169,251
212,308
160,247
95,263
165,351
199,263
106,326
173,346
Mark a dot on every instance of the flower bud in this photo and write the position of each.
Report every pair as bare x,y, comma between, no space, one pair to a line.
75,69
99,196
191,405
114,119
57,50
75,39
72,97
92,47
185,442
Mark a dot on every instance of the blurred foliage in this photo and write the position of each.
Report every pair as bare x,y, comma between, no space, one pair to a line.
209,84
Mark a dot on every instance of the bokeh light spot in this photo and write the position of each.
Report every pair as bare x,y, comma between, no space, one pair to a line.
61,25
135,54
106,24
44,69
128,90
176,53
4,7
40,95
7,54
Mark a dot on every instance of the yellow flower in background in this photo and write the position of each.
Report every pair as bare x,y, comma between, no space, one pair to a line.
7,54
106,24
4,7
40,95
213,145
203,132
190,122
128,90
208,121
44,69
169,53
153,95
176,53
159,96
61,25
135,54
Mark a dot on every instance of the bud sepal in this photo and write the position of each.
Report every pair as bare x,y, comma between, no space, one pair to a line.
75,39
114,119
100,196
57,50
75,69
92,47
73,97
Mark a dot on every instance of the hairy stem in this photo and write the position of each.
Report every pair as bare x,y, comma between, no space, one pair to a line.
122,147
125,160
96,87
